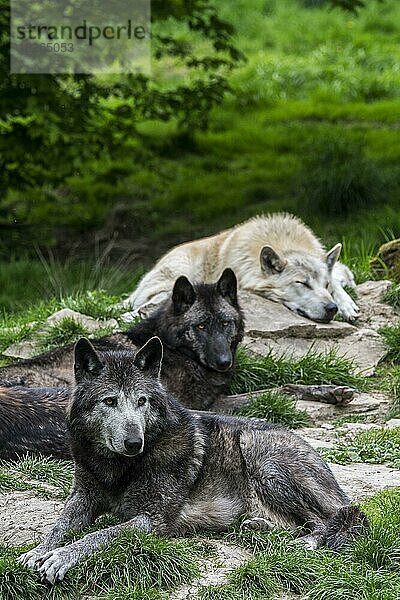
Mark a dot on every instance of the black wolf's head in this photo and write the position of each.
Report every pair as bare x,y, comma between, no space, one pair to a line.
119,402
204,321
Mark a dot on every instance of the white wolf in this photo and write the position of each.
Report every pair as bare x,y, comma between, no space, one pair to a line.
276,256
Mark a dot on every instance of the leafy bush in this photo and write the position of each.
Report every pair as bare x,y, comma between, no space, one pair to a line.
337,178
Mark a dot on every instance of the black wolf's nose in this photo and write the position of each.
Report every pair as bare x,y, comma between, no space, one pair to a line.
331,309
133,445
224,363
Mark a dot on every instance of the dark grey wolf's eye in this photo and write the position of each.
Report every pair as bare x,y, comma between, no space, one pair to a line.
142,401
110,401
201,326
226,323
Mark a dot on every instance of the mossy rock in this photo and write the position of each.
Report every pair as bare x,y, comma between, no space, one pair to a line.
386,264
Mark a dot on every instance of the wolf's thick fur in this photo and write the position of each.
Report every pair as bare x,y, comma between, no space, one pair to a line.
160,467
200,326
276,256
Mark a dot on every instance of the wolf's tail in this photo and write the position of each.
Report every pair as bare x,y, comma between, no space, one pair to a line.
348,523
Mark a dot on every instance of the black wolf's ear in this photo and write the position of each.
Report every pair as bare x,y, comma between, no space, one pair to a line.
183,295
332,256
270,261
227,285
87,361
149,357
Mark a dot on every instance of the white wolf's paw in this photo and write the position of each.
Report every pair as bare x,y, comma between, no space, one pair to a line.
54,565
29,559
349,310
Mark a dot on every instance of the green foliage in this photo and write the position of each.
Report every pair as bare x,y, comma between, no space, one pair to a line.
391,336
24,282
376,446
255,373
392,295
64,332
276,408
337,178
392,384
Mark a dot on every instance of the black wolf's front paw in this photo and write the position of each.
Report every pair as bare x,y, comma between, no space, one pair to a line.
54,565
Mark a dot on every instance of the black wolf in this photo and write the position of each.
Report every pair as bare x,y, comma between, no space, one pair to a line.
160,467
200,326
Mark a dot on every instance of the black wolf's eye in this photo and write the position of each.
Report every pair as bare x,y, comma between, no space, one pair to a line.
201,326
226,323
142,401
111,401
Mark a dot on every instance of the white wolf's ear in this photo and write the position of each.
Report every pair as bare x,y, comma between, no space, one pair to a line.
270,261
332,256
183,295
87,361
227,285
149,357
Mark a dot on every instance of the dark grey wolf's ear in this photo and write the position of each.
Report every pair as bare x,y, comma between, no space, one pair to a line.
149,357
183,295
227,285
270,261
332,256
87,361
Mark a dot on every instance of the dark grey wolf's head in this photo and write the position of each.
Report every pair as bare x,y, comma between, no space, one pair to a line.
300,281
204,321
118,402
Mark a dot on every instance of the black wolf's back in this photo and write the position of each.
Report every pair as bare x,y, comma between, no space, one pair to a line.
32,420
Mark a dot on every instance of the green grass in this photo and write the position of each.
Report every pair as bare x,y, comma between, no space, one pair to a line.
375,446
391,336
134,564
276,408
35,474
24,324
392,295
368,569
392,385
254,373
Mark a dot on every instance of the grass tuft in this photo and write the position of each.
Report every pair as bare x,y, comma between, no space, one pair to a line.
255,373
277,408
392,295
36,474
391,336
134,566
376,446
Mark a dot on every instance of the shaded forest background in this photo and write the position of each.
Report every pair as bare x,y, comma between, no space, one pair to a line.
253,106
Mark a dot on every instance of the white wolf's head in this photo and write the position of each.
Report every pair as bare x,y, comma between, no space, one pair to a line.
300,281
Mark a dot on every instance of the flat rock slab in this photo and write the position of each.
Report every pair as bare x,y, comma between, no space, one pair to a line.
25,517
374,312
264,318
365,403
271,327
360,480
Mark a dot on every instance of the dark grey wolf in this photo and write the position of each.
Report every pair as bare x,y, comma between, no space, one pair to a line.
163,468
276,256
200,326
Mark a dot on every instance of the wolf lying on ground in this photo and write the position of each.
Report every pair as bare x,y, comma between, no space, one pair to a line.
200,326
162,468
276,256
